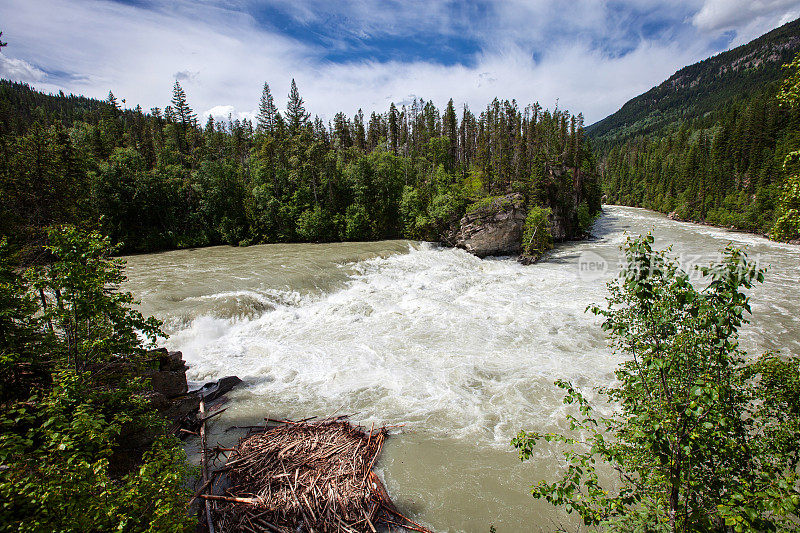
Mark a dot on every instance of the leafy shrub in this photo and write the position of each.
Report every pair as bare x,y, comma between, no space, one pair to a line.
585,217
536,237
356,223
315,225
704,438
787,226
64,421
57,473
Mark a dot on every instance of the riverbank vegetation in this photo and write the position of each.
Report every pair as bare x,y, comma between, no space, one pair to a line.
159,179
704,437
73,420
711,143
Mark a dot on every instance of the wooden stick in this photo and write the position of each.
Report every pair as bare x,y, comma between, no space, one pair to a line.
212,415
204,462
199,491
233,499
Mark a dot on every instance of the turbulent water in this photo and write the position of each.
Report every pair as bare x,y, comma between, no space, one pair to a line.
459,352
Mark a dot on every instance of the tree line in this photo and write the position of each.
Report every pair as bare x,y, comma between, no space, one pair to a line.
732,165
159,179
725,168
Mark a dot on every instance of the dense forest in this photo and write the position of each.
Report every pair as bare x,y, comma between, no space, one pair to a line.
159,179
709,144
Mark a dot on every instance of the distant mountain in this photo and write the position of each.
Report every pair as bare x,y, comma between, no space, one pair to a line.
705,86
707,145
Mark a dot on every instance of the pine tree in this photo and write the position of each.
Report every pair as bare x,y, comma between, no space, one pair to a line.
341,131
183,113
296,114
359,133
450,127
267,112
112,100
394,128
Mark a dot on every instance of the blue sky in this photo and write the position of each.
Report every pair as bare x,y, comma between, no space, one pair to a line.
589,55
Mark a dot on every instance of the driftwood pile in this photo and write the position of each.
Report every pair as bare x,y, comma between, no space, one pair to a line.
303,476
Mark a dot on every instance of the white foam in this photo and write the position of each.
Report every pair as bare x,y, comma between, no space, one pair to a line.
470,347
437,338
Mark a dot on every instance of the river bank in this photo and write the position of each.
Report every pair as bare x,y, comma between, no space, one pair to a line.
673,215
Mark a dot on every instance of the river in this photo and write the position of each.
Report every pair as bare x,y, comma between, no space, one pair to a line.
460,352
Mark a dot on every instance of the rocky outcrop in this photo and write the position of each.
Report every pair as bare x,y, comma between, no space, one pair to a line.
170,394
169,377
171,397
492,229
560,226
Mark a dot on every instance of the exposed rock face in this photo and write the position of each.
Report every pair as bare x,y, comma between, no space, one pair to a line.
559,226
170,396
170,378
495,229
170,390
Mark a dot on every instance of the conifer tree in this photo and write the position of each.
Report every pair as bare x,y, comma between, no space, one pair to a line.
183,113
296,114
450,127
359,133
394,127
341,131
267,112
112,100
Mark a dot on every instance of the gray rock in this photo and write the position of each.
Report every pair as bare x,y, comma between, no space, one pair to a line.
182,406
213,390
170,383
495,229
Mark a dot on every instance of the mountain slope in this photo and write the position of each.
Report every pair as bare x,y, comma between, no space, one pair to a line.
705,86
707,145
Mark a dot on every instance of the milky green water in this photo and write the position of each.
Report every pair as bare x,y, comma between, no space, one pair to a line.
461,352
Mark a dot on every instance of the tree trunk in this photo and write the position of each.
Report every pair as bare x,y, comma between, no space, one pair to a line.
674,492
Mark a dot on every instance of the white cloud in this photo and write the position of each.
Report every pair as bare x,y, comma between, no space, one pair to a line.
19,70
225,112
223,57
726,14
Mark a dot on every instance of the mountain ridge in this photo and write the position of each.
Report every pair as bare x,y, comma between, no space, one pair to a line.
703,86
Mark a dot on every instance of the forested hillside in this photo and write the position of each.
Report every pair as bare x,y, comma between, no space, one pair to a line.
709,143
159,179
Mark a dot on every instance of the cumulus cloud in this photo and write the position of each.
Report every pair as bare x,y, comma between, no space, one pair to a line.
19,70
726,14
590,55
225,112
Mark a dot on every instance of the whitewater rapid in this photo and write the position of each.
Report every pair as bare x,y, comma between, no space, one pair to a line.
460,353
434,338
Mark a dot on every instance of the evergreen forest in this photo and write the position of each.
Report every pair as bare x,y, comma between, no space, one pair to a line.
710,144
160,180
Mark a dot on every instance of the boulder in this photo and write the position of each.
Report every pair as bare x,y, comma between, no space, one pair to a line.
213,390
181,407
493,229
